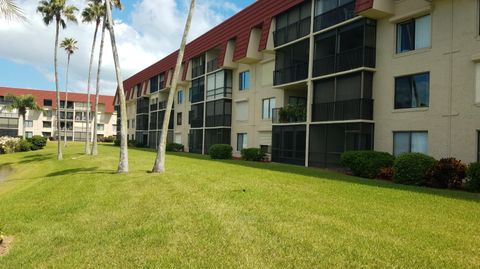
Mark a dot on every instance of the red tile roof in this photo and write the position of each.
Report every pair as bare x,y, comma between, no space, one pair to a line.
41,95
238,28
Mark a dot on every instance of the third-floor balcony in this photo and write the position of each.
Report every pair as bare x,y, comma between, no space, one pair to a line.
290,74
289,114
345,60
356,109
292,32
334,16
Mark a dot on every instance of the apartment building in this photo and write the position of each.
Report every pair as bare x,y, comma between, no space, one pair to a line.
307,80
44,122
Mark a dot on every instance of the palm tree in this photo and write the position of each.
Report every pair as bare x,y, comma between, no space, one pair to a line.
123,160
22,103
60,12
10,10
70,46
98,16
159,165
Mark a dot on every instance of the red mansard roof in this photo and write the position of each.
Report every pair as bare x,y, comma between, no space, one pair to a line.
41,95
238,28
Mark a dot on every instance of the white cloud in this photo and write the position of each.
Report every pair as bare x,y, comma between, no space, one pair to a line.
154,32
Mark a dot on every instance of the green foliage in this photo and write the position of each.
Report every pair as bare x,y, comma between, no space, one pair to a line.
473,177
367,164
25,145
116,142
448,173
38,142
107,139
22,103
9,145
412,168
221,152
252,154
174,147
386,173
292,114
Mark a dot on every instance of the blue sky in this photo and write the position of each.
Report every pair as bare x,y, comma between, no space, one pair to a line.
144,36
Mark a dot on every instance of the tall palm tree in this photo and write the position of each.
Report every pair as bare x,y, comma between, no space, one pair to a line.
101,16
159,165
59,12
22,103
10,10
123,160
70,46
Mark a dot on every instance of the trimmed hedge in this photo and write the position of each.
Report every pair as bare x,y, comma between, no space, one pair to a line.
473,177
221,152
38,142
25,145
252,154
448,173
174,147
367,164
412,168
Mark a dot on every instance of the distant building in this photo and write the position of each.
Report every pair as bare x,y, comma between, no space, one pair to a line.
44,122
310,79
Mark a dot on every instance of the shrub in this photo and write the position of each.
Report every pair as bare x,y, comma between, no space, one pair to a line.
9,145
38,142
252,154
221,152
448,173
107,139
386,173
116,142
174,147
473,177
25,145
367,164
412,168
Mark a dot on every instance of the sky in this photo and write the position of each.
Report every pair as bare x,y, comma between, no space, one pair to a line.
146,31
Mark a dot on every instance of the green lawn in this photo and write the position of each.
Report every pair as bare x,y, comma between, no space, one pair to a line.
76,213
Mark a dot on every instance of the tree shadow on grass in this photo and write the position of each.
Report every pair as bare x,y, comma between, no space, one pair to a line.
35,158
76,171
323,174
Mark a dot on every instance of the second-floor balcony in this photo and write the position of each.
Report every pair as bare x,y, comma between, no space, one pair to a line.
212,65
292,32
290,74
334,16
343,61
289,114
356,109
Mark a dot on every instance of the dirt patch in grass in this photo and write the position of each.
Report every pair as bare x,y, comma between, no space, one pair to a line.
5,245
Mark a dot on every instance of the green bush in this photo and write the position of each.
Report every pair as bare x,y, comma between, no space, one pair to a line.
107,139
412,168
221,152
473,177
367,164
252,154
448,173
174,147
116,142
38,142
25,145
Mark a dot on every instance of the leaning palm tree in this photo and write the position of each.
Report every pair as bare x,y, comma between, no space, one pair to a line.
60,12
123,160
10,10
97,15
159,165
22,103
70,46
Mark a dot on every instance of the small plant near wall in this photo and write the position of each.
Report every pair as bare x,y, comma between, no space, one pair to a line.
221,152
292,114
448,173
473,177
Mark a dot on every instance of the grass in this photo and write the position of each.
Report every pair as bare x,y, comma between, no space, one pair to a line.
76,213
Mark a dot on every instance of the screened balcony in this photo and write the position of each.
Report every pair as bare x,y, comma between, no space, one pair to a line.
216,136
195,141
293,24
219,85
143,105
289,144
343,110
195,116
289,114
198,66
291,63
219,113
332,12
346,48
212,65
197,91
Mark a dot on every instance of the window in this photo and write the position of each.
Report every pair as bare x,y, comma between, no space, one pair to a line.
244,81
412,91
28,123
242,141
410,142
478,146
219,85
47,113
47,124
28,134
46,134
179,118
154,84
414,34
477,83
47,102
100,127
180,97
267,108
196,93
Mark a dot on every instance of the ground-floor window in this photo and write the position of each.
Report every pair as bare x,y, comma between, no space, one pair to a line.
28,134
267,108
410,142
46,134
242,141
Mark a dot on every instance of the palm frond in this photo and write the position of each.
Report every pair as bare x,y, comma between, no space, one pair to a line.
10,10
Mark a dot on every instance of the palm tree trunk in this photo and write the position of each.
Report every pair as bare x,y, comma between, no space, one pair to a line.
159,165
66,101
97,93
57,88
87,129
123,161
